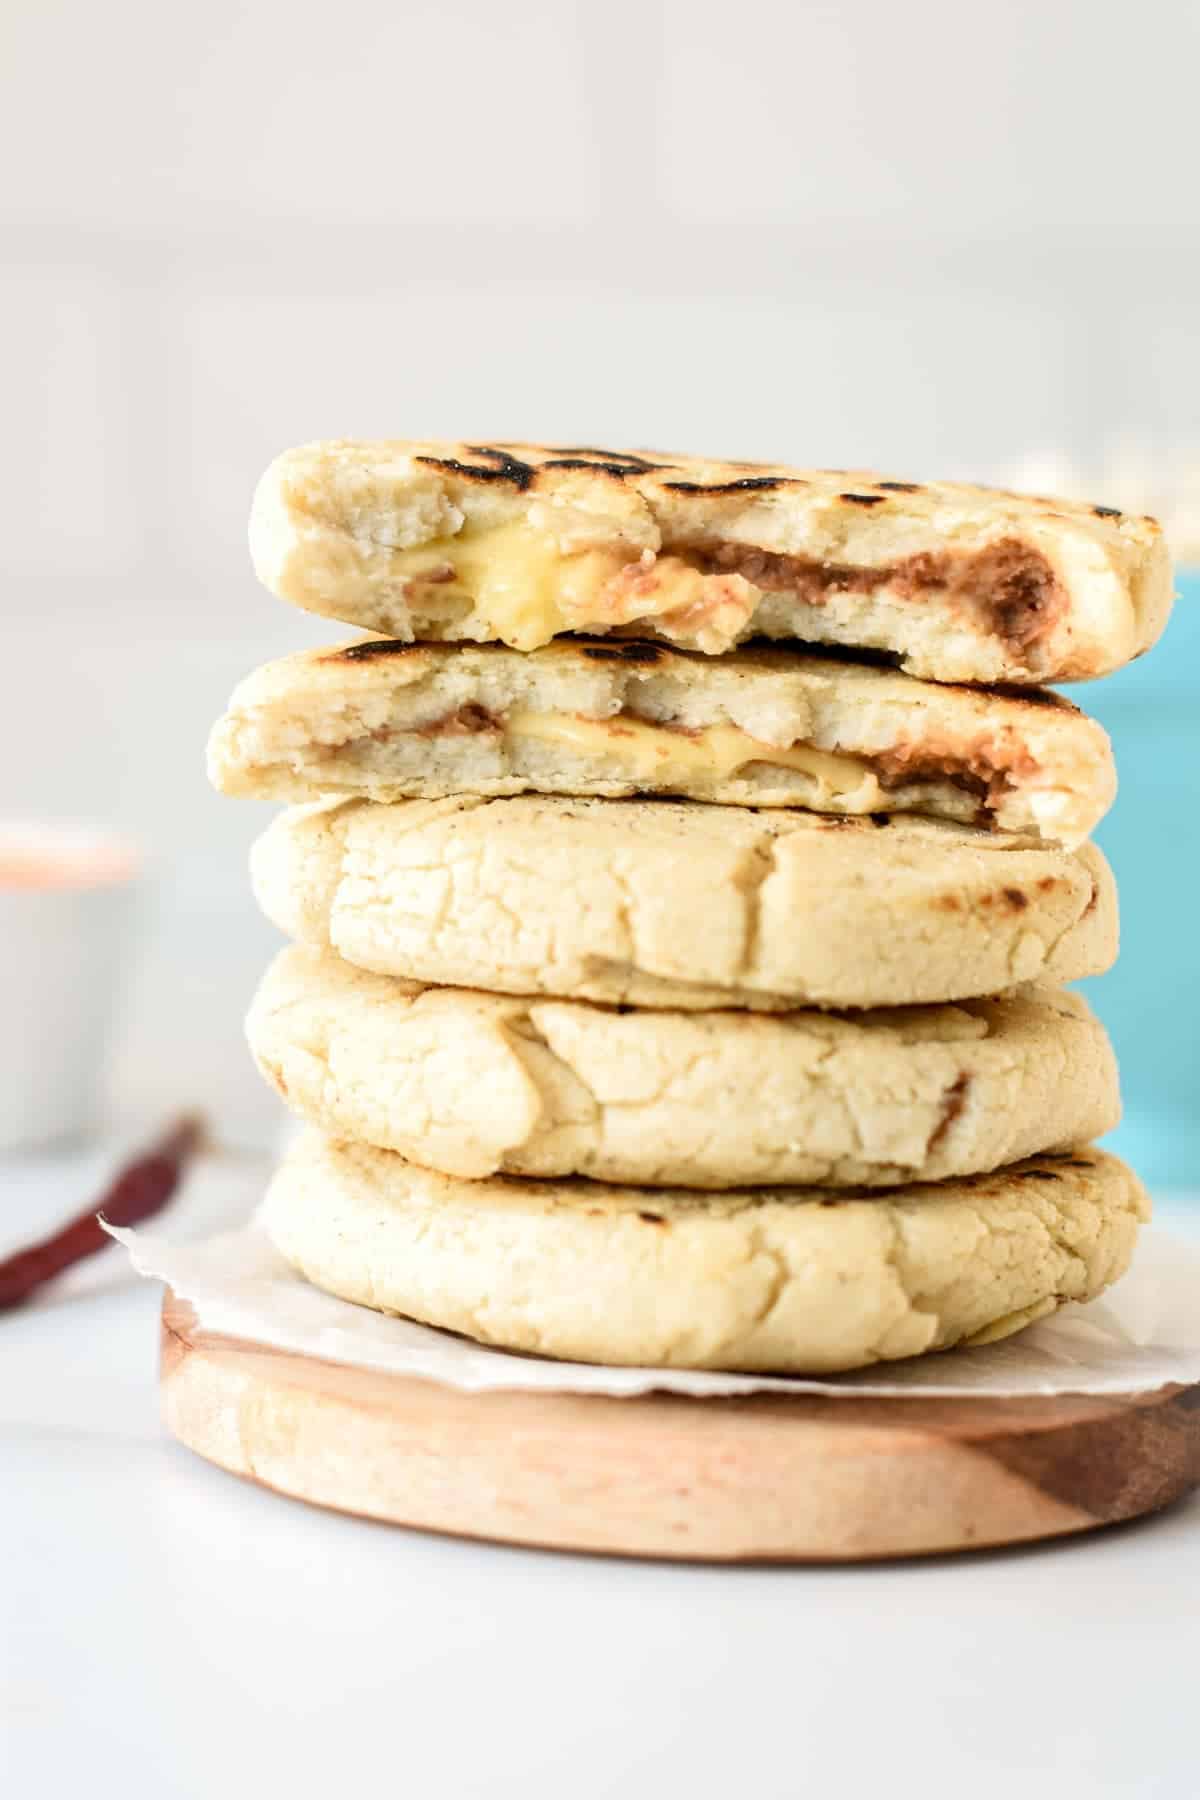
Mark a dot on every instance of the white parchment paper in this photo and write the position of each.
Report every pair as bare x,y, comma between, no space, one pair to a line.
1143,1334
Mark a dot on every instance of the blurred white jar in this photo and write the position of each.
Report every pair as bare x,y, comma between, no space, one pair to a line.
67,900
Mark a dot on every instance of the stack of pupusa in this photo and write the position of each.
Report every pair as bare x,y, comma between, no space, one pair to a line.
774,1068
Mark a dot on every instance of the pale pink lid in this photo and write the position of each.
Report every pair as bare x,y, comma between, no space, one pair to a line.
36,854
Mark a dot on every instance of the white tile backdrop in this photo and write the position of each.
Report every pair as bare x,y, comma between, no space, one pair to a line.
931,236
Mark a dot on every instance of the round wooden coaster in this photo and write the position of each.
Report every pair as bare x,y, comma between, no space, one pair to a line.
764,1478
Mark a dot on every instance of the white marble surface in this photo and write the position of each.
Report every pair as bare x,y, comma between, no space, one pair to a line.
166,1630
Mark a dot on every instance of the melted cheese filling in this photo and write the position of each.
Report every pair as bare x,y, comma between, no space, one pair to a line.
526,590
661,754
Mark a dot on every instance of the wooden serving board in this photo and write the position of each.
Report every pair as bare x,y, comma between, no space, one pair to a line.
767,1478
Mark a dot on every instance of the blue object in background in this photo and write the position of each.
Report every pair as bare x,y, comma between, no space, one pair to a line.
1149,1001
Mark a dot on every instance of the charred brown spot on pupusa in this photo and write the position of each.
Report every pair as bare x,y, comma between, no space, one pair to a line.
900,487
629,651
953,1101
626,458
744,485
1107,512
865,656
1012,691
619,464
652,1218
1040,1175
618,471
370,648
1010,898
864,499
498,465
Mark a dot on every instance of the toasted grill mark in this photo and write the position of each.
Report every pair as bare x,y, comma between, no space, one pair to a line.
953,1101
631,650
371,647
1020,696
865,654
900,487
864,499
588,454
746,484
499,465
619,469
1107,512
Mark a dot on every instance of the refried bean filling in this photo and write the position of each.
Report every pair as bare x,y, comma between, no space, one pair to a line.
979,775
1008,586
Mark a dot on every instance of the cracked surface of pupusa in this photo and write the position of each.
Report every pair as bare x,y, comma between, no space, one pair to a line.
478,1084
806,1281
682,905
